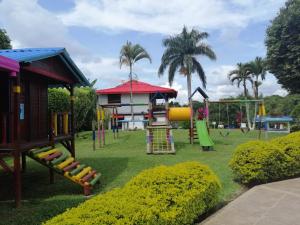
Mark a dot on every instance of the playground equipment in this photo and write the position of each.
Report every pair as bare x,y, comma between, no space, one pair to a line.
159,131
203,135
112,111
101,127
222,125
180,113
60,123
66,166
24,119
242,125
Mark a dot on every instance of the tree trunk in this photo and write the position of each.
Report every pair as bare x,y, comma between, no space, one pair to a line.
131,95
256,103
247,104
189,87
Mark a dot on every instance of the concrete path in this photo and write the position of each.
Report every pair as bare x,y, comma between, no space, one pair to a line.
275,203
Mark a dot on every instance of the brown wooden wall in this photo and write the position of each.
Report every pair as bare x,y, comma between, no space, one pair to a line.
34,96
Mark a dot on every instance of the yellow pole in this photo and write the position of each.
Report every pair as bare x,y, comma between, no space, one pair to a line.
66,123
55,123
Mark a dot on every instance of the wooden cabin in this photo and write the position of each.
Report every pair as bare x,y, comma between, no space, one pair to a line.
25,122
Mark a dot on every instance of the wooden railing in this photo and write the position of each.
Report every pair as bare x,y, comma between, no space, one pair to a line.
60,124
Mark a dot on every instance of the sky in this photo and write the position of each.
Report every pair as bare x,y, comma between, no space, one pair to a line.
93,32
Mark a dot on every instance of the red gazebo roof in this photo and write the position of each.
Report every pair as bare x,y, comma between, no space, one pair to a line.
138,87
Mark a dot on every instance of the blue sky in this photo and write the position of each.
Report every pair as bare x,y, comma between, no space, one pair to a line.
93,32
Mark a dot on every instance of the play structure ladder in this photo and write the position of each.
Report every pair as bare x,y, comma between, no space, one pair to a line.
160,140
66,166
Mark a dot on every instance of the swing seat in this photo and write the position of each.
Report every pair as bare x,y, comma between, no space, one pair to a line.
244,128
224,134
220,126
243,125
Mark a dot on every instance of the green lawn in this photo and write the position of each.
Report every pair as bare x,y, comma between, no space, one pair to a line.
120,160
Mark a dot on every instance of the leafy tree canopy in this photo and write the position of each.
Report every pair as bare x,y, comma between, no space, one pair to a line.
283,46
4,40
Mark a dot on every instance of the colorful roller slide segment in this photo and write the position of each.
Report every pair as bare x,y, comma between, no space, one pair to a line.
65,165
202,132
45,154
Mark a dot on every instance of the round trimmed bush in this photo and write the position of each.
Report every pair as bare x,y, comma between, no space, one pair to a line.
160,196
290,145
258,162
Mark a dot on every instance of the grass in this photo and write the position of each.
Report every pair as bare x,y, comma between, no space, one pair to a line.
119,161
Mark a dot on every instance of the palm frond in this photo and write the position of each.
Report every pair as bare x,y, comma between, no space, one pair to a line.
199,70
174,66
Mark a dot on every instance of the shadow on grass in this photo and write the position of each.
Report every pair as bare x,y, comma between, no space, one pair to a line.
35,181
36,213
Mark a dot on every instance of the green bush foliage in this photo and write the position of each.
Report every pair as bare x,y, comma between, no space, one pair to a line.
290,144
258,162
295,128
162,195
58,100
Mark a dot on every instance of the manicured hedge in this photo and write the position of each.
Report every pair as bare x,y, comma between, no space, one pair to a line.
290,144
162,195
258,162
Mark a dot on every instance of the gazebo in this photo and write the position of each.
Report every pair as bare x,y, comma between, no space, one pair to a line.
276,123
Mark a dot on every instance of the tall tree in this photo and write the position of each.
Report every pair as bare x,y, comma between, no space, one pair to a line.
4,40
283,46
181,55
257,68
129,55
241,75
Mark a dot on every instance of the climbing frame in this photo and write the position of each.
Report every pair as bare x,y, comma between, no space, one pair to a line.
160,140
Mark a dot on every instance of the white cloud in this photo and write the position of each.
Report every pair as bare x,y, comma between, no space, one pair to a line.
220,87
30,25
154,16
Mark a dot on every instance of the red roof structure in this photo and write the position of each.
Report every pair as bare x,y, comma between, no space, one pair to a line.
138,87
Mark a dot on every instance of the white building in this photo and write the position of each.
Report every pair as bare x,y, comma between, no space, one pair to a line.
119,96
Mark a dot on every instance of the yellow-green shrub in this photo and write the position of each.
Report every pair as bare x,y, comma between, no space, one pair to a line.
290,144
264,161
257,162
163,195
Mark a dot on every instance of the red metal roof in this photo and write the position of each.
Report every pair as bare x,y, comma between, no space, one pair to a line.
138,87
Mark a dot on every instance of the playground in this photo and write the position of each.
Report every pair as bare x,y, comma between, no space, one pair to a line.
119,161
143,117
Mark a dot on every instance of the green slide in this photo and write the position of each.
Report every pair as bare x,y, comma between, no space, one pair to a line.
203,136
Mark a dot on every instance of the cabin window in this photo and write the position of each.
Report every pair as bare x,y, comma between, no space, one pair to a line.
115,98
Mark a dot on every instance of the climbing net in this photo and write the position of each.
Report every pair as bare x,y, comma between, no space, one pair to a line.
160,140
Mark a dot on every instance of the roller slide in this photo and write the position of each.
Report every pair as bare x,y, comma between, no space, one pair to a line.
202,132
66,166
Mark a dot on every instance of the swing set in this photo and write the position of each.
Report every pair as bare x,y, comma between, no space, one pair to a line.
239,119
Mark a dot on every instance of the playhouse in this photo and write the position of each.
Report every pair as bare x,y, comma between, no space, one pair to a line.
117,101
25,123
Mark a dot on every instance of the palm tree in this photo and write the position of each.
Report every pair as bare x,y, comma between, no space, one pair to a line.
241,75
181,55
257,68
129,55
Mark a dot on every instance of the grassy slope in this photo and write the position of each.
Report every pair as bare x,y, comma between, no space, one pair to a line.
119,161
